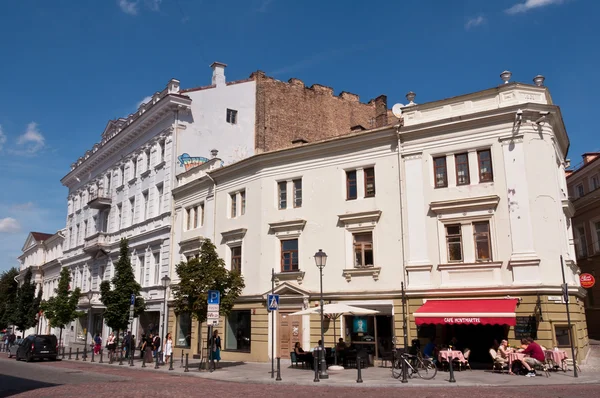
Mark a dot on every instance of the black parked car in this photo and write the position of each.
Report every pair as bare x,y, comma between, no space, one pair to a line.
38,346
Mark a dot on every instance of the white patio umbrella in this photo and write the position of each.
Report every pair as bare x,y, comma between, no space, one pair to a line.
335,311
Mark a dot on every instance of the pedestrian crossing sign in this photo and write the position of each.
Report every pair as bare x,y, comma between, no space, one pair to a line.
272,302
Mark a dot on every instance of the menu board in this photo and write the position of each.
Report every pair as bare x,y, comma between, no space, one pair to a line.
526,327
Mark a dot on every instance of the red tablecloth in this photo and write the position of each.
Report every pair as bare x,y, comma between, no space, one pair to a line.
514,356
555,356
445,355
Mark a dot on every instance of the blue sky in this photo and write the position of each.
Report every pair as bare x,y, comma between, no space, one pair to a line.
68,66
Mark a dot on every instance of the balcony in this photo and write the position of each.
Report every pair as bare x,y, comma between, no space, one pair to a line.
99,200
96,243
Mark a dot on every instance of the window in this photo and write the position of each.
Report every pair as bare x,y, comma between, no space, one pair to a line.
485,166
141,269
243,202
238,331
232,116
363,250
76,234
183,330
297,192
71,237
122,173
201,214
159,198
133,169
85,227
156,269
196,216
236,259
370,182
454,242
595,182
161,148
597,228
351,188
289,255
563,338
582,242
189,215
118,216
107,189
145,203
440,172
462,169
282,194
233,209
580,191
483,250
131,210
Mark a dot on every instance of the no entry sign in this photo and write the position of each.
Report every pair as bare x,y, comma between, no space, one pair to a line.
587,280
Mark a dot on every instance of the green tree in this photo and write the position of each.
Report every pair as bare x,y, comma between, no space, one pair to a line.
8,296
198,276
61,309
117,300
27,304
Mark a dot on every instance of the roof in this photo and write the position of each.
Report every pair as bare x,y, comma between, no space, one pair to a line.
41,236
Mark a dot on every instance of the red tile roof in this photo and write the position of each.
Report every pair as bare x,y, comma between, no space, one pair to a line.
40,236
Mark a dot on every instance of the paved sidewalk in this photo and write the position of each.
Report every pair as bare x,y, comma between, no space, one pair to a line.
245,372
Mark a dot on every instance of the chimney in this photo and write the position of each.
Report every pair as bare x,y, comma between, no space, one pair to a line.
214,153
381,111
218,76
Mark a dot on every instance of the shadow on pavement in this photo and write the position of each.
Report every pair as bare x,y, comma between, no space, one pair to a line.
10,385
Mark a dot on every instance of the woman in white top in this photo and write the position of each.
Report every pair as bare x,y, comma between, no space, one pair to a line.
111,345
168,348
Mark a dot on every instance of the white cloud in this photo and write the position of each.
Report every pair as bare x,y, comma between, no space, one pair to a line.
129,7
2,138
154,5
9,225
143,101
23,206
531,4
32,140
473,22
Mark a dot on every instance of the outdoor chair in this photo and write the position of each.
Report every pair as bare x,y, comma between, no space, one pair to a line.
295,361
466,364
497,364
570,362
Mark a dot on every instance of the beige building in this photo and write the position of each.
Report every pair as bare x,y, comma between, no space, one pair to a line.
463,202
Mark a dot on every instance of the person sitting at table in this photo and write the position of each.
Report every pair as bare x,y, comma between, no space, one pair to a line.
340,350
502,357
535,355
303,356
430,350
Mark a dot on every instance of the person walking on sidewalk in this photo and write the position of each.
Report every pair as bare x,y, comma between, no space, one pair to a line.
111,344
97,344
215,344
147,349
168,348
156,347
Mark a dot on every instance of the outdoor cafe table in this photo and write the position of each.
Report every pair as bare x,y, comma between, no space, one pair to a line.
514,356
447,355
556,356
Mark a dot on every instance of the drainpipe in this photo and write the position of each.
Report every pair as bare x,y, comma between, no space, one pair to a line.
403,256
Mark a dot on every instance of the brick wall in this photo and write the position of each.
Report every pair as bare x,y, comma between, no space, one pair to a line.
287,112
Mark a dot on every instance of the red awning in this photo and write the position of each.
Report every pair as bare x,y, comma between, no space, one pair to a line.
468,312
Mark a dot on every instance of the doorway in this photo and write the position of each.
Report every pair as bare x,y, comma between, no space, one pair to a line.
290,332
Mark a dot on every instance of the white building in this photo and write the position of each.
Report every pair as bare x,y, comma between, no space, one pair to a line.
463,201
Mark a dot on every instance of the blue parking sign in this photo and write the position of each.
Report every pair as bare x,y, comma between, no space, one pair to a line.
133,299
214,297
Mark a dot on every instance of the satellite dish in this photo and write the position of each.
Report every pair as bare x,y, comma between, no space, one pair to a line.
397,110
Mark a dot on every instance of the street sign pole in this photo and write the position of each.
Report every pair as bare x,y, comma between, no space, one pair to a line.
272,325
212,319
566,299
130,342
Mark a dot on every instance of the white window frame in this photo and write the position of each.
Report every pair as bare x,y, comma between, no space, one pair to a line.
577,190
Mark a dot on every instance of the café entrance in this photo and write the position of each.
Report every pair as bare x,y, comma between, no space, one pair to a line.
371,334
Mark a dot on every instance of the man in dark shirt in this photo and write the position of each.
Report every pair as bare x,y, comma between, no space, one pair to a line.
535,356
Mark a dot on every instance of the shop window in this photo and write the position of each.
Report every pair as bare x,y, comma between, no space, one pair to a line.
363,250
238,331
563,338
351,187
454,243
462,169
440,172
369,182
184,331
289,255
483,250
485,166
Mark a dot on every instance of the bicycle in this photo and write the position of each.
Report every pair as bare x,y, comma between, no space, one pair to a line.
415,364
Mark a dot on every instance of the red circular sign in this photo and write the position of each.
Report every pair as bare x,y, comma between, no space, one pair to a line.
587,280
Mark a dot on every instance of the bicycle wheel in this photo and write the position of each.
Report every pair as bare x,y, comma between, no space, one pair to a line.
426,369
396,368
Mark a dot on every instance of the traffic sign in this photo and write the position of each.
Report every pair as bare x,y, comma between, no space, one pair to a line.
272,302
214,297
213,308
212,315
212,322
132,302
587,281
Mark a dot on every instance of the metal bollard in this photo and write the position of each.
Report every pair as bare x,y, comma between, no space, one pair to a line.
70,352
404,371
171,362
131,357
359,375
156,365
181,366
101,355
77,354
451,370
84,355
186,363
63,355
316,365
92,356
278,369
143,361
121,357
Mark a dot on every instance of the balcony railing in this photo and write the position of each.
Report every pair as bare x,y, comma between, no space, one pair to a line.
94,243
99,199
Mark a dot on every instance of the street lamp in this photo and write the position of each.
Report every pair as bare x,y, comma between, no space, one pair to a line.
166,281
89,295
321,260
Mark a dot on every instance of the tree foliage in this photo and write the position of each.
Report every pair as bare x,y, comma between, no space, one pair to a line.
198,276
8,296
27,304
117,299
61,309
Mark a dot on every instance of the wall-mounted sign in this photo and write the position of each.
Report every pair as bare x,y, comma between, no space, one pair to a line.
587,281
360,324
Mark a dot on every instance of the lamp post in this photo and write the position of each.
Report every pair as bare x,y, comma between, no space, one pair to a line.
166,281
321,260
89,295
